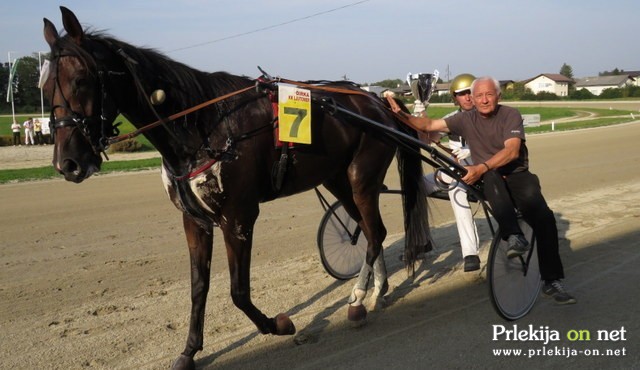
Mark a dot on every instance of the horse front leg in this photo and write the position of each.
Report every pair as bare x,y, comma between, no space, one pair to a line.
200,243
238,236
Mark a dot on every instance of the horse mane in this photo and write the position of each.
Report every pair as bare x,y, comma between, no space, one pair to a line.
189,86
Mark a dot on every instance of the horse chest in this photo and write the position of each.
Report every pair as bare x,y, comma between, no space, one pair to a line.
201,196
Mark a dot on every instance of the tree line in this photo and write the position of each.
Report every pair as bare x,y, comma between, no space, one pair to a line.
26,94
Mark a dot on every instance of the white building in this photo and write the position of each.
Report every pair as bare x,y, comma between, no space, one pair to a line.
596,85
549,82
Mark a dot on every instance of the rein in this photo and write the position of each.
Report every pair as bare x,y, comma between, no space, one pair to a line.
210,163
183,113
325,88
175,116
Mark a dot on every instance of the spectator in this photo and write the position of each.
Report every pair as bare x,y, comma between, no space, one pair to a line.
15,128
28,131
37,130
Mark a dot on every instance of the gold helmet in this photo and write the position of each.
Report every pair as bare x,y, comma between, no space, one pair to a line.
460,83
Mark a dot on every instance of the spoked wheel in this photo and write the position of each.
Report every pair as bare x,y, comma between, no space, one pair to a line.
514,284
342,245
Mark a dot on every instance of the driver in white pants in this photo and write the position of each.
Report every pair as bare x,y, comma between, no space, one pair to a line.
467,231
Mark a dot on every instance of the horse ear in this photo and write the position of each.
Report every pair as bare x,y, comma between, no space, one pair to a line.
72,25
50,33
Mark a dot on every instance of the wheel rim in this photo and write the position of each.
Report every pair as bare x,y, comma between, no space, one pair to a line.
340,256
513,292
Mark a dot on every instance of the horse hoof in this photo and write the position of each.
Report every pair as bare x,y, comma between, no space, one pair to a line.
284,325
357,315
184,363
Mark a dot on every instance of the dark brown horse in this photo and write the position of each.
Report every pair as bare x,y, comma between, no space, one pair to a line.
218,161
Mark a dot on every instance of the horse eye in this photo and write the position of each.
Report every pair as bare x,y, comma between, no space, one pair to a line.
81,84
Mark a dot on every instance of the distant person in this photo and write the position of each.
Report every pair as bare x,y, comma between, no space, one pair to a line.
15,128
28,131
37,130
496,136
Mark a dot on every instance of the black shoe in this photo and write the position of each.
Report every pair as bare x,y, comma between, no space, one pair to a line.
471,263
518,245
554,289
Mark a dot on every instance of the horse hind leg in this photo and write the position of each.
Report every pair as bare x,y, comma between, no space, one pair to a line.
360,199
380,281
340,187
357,311
366,199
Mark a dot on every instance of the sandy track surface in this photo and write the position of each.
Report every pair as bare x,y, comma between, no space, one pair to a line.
95,276
29,156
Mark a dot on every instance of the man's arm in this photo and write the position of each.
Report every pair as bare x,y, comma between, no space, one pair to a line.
509,153
424,124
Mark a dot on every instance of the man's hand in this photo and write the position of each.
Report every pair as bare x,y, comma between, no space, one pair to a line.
394,106
474,173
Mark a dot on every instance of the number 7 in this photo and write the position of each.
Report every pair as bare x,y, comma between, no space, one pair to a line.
300,114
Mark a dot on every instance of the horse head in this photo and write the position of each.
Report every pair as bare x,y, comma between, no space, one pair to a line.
82,112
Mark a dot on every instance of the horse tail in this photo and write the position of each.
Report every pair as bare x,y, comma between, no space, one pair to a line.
414,201
414,206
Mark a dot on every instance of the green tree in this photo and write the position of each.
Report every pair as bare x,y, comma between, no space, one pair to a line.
546,95
4,79
517,92
614,72
388,83
27,95
444,98
631,91
581,94
566,70
611,93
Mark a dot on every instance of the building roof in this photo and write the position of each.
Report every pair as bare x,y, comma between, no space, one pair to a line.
552,76
634,74
615,80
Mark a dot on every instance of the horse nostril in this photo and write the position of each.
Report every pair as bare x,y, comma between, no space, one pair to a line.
70,166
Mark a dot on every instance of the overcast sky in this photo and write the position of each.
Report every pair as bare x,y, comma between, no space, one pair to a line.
367,41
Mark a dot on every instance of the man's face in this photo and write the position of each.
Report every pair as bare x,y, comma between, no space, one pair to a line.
463,100
485,97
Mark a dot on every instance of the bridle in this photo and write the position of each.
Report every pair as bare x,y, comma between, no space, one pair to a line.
79,120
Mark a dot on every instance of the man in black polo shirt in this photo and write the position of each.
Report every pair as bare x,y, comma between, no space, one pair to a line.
495,135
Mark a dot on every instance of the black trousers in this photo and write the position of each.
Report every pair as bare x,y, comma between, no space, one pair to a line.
522,190
16,138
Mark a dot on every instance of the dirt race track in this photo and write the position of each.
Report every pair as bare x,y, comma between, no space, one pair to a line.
95,276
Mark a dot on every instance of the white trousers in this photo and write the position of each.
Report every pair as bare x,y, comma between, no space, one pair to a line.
467,230
28,137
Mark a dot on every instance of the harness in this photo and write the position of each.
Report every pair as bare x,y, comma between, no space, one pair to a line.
109,133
